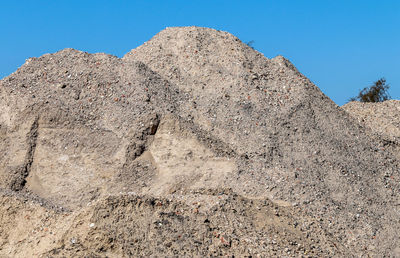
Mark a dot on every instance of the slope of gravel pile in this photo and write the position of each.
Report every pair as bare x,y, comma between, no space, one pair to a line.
381,117
382,121
108,151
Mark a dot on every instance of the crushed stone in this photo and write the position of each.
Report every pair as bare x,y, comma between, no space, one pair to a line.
236,153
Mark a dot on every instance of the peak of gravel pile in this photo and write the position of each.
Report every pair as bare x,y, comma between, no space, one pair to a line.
191,144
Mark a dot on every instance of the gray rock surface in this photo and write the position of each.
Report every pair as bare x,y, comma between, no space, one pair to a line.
237,153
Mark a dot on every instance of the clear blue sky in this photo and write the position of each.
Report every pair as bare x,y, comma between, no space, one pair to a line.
341,45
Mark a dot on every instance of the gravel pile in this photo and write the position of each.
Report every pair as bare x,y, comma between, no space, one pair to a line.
291,142
236,153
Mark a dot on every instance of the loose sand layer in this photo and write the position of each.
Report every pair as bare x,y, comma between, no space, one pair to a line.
191,144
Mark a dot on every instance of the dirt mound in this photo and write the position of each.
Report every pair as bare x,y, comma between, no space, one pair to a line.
121,147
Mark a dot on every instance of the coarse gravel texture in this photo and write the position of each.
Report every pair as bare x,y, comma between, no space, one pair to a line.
191,144
199,223
294,143
381,117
